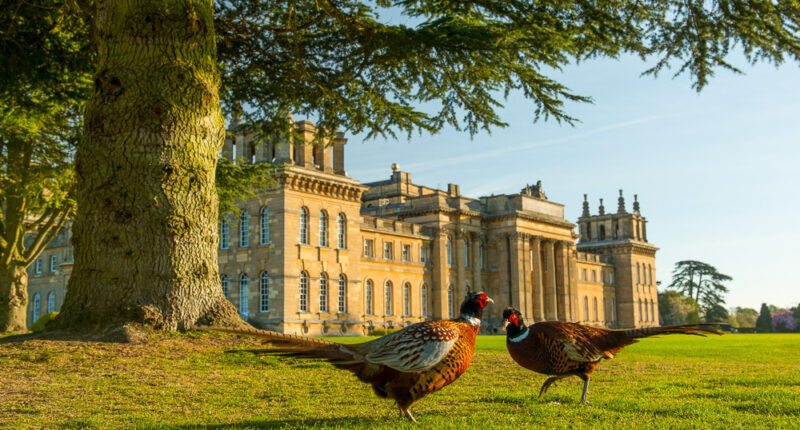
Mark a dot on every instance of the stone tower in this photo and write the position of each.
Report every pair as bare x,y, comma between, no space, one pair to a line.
622,238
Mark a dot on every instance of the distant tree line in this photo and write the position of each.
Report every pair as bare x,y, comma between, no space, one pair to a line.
697,294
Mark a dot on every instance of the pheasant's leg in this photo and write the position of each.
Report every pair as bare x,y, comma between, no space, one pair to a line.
406,413
585,388
549,382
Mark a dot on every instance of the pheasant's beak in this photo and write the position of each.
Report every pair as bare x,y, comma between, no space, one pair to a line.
505,324
489,300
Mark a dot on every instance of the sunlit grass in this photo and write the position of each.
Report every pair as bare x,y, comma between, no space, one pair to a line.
187,381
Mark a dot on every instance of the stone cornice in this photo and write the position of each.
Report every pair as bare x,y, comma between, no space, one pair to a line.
320,184
626,245
532,217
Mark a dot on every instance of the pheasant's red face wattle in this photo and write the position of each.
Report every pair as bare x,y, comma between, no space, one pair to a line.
483,299
513,319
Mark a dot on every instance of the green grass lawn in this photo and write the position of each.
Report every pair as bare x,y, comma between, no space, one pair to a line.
187,381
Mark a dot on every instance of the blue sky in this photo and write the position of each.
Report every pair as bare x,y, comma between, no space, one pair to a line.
717,173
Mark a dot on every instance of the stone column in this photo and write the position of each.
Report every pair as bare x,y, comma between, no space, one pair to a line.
573,281
283,151
551,305
458,262
524,285
505,295
338,153
537,286
516,269
476,262
440,275
564,291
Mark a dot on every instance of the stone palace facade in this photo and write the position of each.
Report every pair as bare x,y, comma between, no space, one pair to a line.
320,253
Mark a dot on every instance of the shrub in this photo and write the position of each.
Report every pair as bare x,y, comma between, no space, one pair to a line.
383,331
42,321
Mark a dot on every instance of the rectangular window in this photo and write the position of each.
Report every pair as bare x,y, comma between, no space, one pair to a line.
368,248
38,266
406,252
387,250
53,263
423,254
594,276
583,274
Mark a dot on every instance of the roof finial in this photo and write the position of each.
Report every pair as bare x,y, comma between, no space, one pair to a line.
602,208
636,203
585,207
620,203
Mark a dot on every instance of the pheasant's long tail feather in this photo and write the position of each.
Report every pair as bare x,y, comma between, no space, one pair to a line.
615,340
693,329
278,338
299,346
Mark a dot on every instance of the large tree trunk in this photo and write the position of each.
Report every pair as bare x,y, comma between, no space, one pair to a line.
145,234
13,298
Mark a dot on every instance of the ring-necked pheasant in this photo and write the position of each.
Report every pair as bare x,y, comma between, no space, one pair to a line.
405,365
563,349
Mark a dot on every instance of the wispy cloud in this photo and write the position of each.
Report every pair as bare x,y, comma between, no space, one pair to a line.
505,150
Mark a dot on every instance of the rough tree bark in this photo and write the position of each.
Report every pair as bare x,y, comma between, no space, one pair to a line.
13,298
145,234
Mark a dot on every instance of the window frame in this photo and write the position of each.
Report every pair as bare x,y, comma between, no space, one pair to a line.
263,303
264,233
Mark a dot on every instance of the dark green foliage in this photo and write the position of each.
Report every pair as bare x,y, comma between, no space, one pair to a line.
701,281
236,181
764,321
453,62
716,313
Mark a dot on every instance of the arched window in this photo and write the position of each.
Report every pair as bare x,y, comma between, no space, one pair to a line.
323,228
224,235
264,292
450,304
652,310
424,299
342,294
588,231
224,281
466,253
264,225
650,271
388,299
368,296
303,292
594,304
36,306
641,312
244,295
605,310
449,252
51,302
407,300
646,311
244,226
323,292
585,308
304,226
602,232
480,251
341,232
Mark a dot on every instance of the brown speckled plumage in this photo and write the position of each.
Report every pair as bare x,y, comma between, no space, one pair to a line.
563,349
404,366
